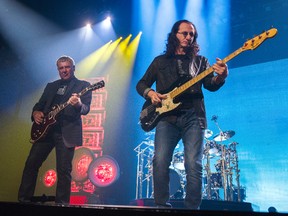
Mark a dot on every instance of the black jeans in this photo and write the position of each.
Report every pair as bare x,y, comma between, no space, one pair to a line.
38,154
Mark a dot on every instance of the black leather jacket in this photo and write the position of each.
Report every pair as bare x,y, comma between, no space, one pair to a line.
165,72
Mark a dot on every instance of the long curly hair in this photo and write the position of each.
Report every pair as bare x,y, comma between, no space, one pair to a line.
173,42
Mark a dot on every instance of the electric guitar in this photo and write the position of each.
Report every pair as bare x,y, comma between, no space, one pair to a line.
39,131
151,114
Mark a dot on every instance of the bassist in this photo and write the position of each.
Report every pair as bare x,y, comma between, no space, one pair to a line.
186,122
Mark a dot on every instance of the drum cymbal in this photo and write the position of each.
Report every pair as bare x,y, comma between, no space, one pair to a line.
208,133
225,135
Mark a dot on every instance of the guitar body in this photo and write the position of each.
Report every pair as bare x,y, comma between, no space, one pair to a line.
39,131
151,114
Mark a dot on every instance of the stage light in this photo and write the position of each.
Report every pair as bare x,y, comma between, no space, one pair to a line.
103,171
108,19
81,161
107,22
88,25
50,178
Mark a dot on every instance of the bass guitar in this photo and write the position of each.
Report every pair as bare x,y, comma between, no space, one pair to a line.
151,114
39,131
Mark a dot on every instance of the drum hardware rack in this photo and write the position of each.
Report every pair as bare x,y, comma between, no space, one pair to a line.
214,183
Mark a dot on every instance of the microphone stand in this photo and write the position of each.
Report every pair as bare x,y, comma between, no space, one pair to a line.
223,151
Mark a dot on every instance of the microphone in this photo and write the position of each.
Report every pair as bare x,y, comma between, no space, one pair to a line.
214,118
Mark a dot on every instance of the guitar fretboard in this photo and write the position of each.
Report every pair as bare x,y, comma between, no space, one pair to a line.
176,92
249,45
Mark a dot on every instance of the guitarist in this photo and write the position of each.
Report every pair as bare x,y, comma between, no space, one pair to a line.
64,135
187,122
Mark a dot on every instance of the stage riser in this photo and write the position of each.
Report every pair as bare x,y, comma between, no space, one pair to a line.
206,204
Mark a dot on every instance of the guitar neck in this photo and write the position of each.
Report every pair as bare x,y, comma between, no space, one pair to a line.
176,92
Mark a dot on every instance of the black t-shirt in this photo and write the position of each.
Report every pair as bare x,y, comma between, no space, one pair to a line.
183,63
58,99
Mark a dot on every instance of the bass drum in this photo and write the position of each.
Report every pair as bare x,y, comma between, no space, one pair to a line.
215,180
176,182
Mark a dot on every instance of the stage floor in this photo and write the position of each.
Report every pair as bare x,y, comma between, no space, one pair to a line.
31,209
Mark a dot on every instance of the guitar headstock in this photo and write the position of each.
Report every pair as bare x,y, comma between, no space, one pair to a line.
256,41
97,85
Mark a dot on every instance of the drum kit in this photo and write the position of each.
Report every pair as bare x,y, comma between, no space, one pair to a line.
220,182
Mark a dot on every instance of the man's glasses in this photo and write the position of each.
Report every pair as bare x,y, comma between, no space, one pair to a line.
185,34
